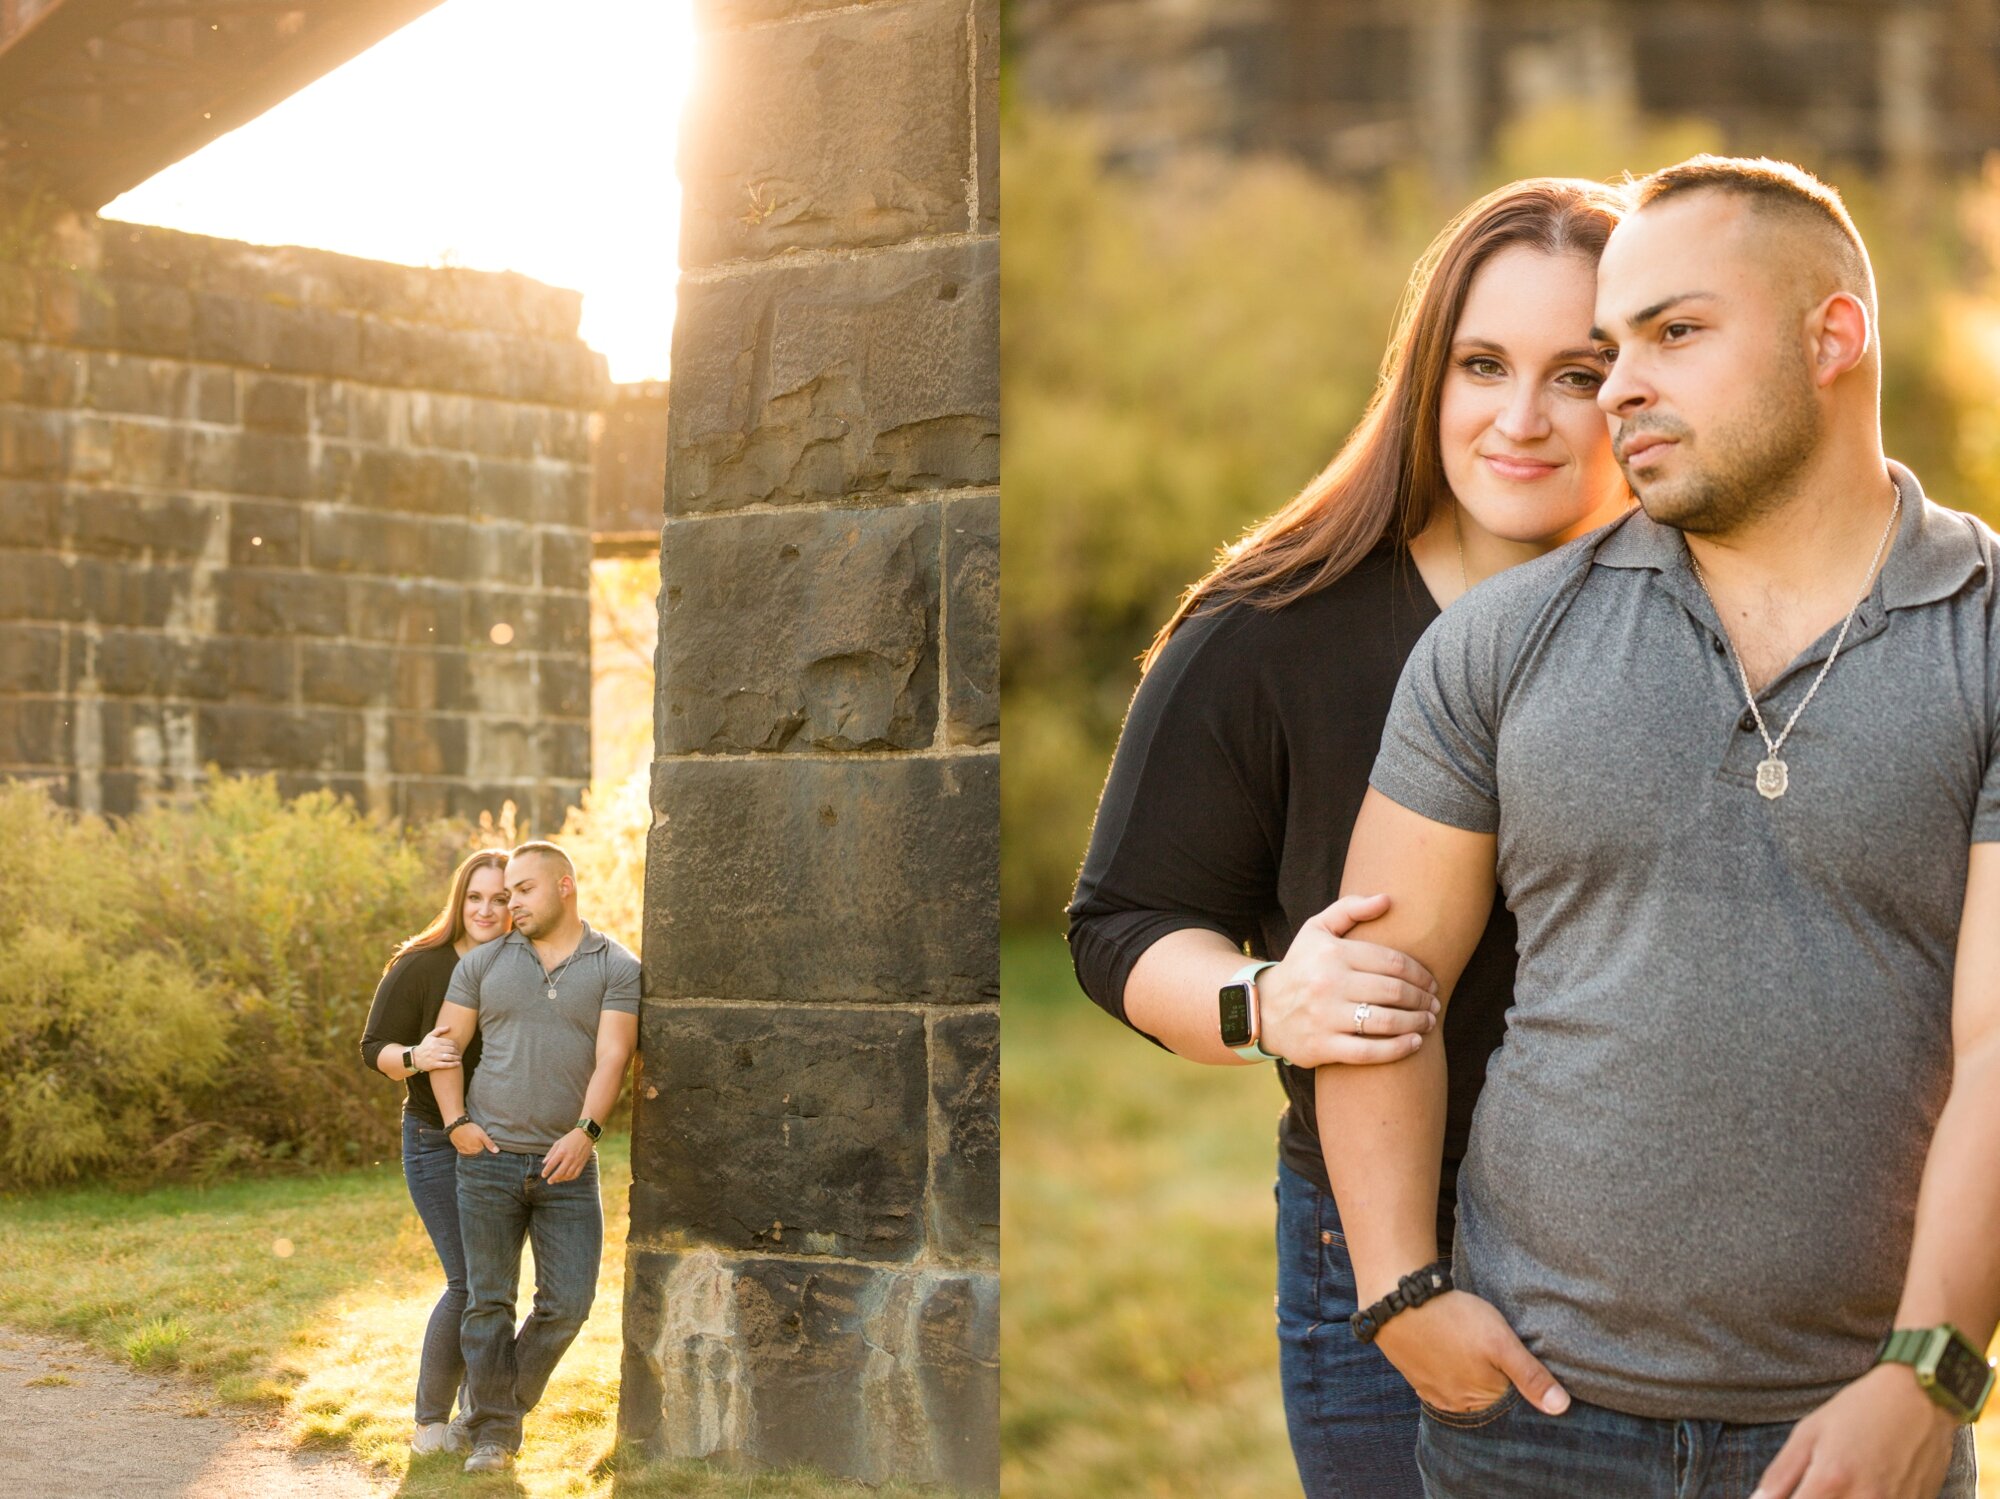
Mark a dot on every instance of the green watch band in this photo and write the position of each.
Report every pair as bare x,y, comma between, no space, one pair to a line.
1948,1368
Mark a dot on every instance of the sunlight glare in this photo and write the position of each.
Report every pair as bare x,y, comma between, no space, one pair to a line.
490,134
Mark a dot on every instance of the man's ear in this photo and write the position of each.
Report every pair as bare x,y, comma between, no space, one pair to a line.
1840,333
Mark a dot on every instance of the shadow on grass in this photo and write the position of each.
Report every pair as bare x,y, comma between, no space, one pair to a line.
443,1476
634,1475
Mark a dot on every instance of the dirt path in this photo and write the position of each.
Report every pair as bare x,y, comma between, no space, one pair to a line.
75,1425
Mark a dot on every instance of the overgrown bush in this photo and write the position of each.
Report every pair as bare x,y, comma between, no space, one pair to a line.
183,990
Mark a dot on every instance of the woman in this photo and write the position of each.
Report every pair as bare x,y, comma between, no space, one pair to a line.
1246,752
398,1042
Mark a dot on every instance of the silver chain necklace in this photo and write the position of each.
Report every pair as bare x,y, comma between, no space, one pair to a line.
550,978
1772,775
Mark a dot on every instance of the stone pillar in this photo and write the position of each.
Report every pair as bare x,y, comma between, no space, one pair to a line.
1447,91
1909,40
814,1260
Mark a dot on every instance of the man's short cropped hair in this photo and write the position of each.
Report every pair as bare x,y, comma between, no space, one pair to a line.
544,847
1776,187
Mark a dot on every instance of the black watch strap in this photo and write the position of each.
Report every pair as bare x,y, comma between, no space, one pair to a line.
461,1119
1413,1289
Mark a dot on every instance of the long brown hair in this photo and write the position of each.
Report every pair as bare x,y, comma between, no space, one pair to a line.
1388,477
449,924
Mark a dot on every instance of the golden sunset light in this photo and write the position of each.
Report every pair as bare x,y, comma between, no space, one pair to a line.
490,134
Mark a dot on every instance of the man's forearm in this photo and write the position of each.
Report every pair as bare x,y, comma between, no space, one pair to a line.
605,1081
1382,1132
1954,1273
1381,1128
448,1088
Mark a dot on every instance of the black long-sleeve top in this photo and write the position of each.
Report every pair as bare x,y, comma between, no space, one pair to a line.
1239,773
405,1010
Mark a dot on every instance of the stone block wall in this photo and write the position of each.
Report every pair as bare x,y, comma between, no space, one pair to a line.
1893,87
628,472
284,510
814,1260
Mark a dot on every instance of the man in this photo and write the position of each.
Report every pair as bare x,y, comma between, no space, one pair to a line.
1728,757
556,1006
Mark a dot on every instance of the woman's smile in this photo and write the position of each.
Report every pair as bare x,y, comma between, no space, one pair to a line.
1520,470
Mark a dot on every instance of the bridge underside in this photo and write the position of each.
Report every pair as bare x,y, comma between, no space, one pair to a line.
96,96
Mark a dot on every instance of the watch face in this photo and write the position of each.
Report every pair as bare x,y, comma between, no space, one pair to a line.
1235,1000
1961,1372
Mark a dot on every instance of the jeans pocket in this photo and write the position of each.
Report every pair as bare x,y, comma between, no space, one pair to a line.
1484,1415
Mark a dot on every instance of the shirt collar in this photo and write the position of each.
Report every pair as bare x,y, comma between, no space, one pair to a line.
1936,552
590,941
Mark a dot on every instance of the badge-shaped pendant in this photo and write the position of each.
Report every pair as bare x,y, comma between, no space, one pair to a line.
1772,778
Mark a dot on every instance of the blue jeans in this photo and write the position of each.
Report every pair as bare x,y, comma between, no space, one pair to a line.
430,1169
1352,1417
503,1201
1510,1450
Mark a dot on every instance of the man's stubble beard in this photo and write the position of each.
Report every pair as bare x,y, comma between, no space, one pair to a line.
1755,465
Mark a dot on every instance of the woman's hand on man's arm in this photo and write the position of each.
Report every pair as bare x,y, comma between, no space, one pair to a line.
434,1053
437,1051
1308,1002
1312,1002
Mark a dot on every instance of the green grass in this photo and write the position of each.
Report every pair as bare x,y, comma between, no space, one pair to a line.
157,1344
308,1295
1137,1352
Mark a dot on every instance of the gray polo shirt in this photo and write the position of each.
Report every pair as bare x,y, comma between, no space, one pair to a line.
1693,1172
537,1053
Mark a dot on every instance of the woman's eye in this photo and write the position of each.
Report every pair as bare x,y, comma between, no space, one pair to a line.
1479,364
1580,379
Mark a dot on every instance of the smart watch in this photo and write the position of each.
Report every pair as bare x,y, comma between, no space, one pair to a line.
590,1127
410,1060
1240,1018
1950,1370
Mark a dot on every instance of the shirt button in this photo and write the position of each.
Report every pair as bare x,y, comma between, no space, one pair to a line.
1746,723
1719,650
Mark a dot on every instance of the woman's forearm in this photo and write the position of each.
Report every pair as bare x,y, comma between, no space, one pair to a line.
1171,993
